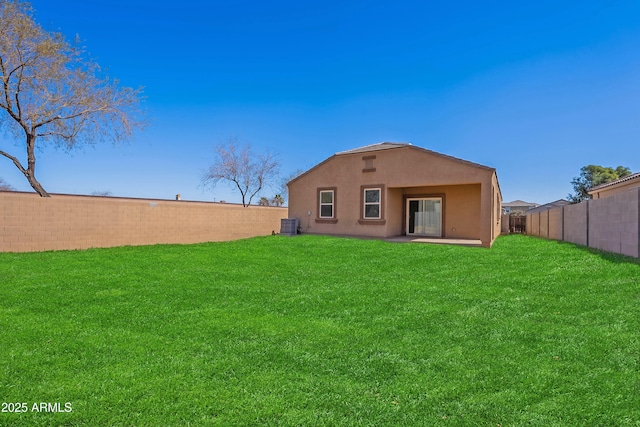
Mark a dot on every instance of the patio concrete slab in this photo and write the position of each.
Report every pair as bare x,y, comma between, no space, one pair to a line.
435,240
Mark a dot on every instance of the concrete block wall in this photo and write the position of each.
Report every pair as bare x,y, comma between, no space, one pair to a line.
546,224
31,223
610,224
543,224
504,224
621,234
555,218
533,224
575,223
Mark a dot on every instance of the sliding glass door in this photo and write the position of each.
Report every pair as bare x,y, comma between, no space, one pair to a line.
424,216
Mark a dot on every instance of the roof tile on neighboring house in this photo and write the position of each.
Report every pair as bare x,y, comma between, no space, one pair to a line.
547,206
627,178
518,203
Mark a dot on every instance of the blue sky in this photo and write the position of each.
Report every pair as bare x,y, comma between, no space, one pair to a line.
535,89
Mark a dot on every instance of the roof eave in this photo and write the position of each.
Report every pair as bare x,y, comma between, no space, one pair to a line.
615,183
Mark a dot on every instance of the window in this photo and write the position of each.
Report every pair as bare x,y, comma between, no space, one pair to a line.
327,211
372,200
326,203
372,203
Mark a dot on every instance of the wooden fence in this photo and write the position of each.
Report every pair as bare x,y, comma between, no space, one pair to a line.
517,224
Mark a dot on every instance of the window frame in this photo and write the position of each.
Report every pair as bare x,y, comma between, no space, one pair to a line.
380,219
323,204
365,203
326,219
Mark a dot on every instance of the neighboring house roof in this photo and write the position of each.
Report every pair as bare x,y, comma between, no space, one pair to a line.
556,204
632,177
518,204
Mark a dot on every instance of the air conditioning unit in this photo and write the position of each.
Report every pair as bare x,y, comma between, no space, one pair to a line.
288,226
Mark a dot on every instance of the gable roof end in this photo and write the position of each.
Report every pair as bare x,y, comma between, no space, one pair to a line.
395,145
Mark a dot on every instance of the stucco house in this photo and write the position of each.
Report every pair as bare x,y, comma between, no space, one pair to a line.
555,204
392,189
517,207
621,185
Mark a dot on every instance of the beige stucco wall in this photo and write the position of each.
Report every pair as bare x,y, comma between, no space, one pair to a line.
496,206
31,223
471,193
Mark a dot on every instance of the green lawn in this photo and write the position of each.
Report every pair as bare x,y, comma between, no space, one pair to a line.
312,331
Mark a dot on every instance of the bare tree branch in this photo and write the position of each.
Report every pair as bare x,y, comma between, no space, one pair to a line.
4,186
14,160
52,95
248,172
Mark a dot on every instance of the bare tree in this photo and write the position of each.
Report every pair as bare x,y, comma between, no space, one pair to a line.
5,186
242,168
284,188
50,93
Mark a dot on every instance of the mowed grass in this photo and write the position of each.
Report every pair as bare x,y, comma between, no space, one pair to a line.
313,331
